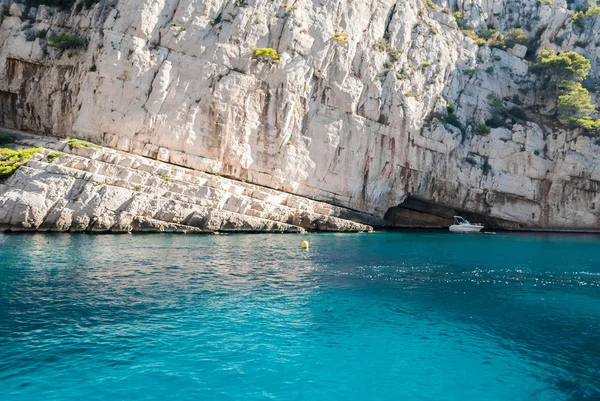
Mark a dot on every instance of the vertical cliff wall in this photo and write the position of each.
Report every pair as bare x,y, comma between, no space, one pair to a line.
357,123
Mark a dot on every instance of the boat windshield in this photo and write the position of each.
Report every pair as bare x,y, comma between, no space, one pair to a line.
459,220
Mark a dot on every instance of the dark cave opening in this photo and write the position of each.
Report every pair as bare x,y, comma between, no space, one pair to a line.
415,212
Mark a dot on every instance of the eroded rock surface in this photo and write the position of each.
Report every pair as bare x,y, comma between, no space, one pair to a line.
102,190
349,124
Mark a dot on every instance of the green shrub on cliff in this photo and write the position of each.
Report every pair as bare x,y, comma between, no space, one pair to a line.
65,41
501,116
486,167
382,45
454,121
482,129
341,37
579,18
492,38
266,54
592,11
588,123
6,138
458,17
53,156
11,160
515,37
431,5
78,143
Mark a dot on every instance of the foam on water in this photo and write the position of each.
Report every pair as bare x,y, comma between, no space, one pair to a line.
386,316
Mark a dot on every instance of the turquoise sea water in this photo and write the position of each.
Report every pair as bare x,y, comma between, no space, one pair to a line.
385,316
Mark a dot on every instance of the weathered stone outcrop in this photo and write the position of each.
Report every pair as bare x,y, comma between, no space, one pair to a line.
356,125
102,190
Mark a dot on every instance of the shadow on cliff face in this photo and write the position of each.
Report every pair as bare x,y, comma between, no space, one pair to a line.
40,83
20,105
8,109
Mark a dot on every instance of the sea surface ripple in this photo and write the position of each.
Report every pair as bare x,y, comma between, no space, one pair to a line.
384,316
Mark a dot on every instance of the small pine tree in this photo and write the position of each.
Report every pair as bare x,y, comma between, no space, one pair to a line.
564,73
563,66
574,100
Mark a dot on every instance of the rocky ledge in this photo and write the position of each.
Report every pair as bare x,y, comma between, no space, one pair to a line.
90,189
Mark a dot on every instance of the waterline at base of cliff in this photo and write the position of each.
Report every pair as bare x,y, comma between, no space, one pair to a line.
424,316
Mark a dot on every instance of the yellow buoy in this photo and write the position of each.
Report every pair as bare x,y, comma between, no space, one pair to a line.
304,244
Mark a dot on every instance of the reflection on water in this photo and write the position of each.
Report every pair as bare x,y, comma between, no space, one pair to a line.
425,316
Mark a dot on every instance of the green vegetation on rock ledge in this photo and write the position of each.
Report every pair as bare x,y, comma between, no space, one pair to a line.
493,38
501,116
6,138
384,46
266,54
11,160
562,75
78,143
452,119
482,129
579,18
341,37
53,156
65,41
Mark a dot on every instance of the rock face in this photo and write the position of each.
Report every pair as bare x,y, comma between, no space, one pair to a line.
101,190
357,125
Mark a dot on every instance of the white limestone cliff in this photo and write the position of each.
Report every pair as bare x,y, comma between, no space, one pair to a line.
85,189
341,123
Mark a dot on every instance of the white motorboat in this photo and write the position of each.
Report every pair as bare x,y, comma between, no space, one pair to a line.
463,226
